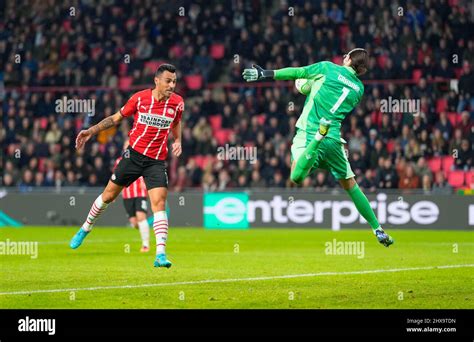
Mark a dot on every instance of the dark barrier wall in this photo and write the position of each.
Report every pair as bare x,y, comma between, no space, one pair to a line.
251,209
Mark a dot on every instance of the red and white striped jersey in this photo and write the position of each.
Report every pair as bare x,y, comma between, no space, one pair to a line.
152,121
134,190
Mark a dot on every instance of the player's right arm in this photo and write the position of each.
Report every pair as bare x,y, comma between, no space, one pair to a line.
257,73
129,109
108,122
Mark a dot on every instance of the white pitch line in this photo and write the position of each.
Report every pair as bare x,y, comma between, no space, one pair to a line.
233,280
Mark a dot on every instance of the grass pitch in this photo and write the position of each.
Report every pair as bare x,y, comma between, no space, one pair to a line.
257,268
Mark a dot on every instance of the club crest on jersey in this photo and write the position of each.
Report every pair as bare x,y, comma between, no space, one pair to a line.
170,111
155,120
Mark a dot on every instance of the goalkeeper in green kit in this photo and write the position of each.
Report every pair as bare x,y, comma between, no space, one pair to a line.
333,92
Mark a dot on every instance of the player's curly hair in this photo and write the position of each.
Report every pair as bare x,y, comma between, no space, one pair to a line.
359,60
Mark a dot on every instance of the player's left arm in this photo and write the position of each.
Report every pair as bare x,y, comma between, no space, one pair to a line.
257,73
176,147
176,127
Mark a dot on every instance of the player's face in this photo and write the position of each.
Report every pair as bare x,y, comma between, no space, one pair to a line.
166,82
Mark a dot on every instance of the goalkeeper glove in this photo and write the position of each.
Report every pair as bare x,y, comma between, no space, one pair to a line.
257,73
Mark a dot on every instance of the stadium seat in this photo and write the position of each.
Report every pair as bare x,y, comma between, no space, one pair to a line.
125,82
343,29
216,122
123,67
199,160
43,123
390,145
458,72
261,119
434,164
152,65
381,60
456,178
193,82
96,51
454,118
337,60
217,51
453,3
177,51
222,136
441,105
470,179
447,163
417,74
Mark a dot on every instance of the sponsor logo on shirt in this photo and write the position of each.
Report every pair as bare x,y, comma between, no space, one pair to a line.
154,120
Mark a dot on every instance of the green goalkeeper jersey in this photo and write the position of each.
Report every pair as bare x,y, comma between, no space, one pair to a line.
335,92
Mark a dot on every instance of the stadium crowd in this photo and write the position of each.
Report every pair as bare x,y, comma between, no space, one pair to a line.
107,49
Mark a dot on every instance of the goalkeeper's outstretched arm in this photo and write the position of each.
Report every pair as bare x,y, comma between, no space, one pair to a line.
257,73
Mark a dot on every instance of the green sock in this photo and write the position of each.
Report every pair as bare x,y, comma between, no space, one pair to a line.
304,164
363,206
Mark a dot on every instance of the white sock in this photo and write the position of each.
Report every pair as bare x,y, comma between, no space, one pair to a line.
144,229
98,207
160,227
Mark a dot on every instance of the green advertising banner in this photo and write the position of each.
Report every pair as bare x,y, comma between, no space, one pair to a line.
225,210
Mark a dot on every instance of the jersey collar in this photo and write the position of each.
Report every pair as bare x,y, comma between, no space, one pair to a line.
351,70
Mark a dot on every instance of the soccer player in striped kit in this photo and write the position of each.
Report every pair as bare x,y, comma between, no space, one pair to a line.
136,207
156,112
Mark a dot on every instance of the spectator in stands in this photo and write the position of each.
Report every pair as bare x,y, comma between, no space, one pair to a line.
409,179
422,168
386,177
441,186
465,159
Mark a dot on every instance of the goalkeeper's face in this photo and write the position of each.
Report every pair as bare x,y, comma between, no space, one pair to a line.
165,82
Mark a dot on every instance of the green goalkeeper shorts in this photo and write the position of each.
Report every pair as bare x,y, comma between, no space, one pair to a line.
331,154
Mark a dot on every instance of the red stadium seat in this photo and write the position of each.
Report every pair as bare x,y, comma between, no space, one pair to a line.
458,72
456,178
337,60
217,51
454,118
447,163
261,119
193,82
43,123
434,164
123,67
222,136
343,29
470,179
216,122
441,105
417,74
177,51
381,60
390,145
96,51
152,65
125,82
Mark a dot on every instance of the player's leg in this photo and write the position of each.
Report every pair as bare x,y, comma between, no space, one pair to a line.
306,160
341,169
363,206
142,222
156,180
101,203
128,204
125,173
